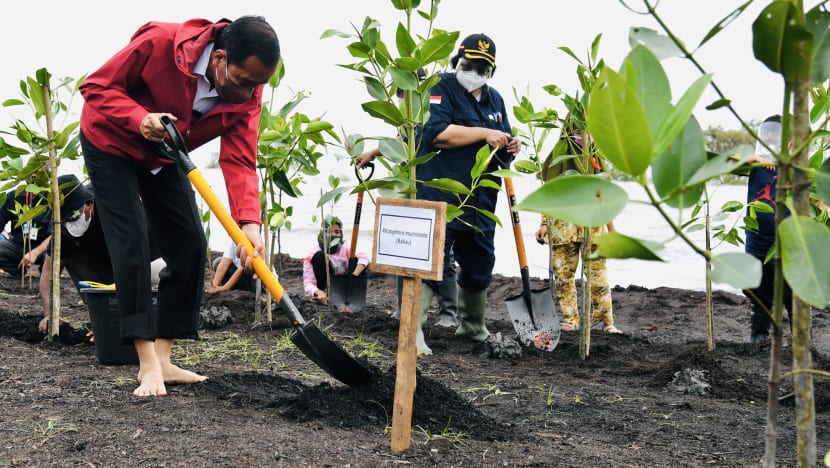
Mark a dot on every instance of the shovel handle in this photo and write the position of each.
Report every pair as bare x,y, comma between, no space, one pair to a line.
200,183
359,208
517,227
520,243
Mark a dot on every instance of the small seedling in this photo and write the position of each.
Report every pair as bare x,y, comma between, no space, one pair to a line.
454,438
52,428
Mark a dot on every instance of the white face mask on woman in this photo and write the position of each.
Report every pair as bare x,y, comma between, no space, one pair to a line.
470,80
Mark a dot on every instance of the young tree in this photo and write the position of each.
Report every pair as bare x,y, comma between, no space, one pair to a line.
44,147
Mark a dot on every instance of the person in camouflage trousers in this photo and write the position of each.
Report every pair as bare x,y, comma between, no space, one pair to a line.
565,242
565,239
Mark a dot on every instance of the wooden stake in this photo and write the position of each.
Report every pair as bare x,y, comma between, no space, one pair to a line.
405,378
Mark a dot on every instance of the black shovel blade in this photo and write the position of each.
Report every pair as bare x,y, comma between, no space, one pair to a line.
330,356
348,293
538,327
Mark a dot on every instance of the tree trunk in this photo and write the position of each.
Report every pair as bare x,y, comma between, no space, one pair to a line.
802,357
55,273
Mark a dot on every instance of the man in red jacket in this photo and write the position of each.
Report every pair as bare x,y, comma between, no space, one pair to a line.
208,78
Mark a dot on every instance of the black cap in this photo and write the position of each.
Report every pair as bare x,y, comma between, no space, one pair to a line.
476,47
75,195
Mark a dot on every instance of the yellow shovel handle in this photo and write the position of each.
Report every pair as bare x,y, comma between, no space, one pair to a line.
260,268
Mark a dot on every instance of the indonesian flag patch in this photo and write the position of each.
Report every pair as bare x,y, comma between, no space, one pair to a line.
435,99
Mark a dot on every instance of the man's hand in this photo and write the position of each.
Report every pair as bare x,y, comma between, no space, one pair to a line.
29,258
151,127
366,157
251,231
321,297
43,325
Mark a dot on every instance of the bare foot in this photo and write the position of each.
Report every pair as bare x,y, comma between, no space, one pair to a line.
176,375
150,383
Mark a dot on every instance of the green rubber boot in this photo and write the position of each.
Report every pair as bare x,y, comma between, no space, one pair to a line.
423,312
471,314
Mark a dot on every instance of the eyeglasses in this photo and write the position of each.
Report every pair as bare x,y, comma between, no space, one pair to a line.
73,216
482,69
228,79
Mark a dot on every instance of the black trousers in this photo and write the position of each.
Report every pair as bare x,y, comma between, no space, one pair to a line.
759,321
123,193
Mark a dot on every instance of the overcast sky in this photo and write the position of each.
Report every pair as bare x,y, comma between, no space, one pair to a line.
73,38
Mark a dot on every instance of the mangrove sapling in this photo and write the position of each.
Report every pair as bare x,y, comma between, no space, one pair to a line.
290,146
55,142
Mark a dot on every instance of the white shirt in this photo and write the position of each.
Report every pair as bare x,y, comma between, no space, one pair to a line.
206,96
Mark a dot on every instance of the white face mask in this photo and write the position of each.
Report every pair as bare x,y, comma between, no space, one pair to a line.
78,227
470,80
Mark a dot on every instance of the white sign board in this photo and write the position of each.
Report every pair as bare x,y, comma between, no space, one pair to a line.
409,235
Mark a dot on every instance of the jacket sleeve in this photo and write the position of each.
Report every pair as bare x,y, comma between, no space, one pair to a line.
238,159
441,111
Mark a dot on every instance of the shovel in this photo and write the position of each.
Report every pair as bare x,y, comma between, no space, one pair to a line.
532,312
307,337
348,292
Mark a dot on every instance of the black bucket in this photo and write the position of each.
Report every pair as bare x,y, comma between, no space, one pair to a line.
106,327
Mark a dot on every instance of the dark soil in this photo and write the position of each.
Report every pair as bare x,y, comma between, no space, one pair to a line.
632,402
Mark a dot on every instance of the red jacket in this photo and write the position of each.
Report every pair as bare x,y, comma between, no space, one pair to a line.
152,74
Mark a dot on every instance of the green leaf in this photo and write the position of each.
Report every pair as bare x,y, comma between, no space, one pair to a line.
819,108
482,159
676,120
737,269
721,164
672,169
807,273
490,184
525,166
393,150
822,179
36,97
453,212
818,22
618,122
318,126
448,185
724,22
359,50
404,79
408,63
651,83
331,195
333,32
385,111
662,46
375,88
281,181
718,104
436,48
582,200
403,41
568,51
781,43
616,245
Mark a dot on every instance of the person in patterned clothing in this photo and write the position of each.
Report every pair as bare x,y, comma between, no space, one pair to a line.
566,241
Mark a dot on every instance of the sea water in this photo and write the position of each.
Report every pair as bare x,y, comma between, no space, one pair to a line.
681,266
